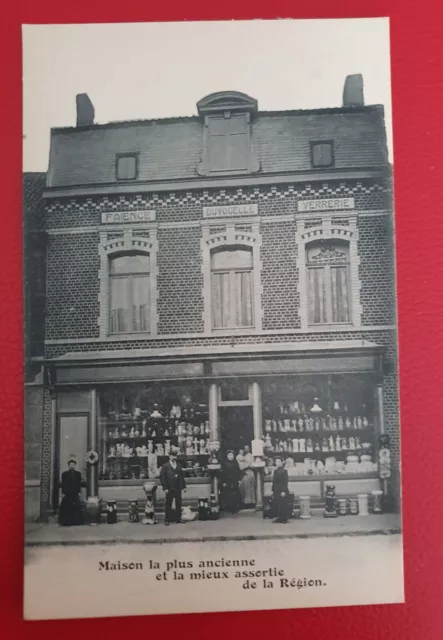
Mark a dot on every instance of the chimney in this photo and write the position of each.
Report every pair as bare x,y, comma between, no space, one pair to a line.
353,91
85,110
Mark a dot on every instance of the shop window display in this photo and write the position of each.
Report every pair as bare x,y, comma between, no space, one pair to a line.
138,427
324,425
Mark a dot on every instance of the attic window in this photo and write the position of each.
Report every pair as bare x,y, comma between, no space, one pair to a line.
227,134
126,167
227,143
322,154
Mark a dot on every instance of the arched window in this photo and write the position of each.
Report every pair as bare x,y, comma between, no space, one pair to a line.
327,265
232,288
129,293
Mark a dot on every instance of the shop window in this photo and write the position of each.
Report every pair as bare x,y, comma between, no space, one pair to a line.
328,283
232,288
129,293
321,425
322,154
126,167
140,424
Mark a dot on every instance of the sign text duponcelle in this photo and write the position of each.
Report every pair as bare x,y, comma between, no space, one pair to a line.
230,211
333,204
119,217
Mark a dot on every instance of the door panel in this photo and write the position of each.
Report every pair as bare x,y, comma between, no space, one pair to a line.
73,442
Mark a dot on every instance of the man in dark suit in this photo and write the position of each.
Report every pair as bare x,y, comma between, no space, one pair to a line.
70,508
173,482
280,491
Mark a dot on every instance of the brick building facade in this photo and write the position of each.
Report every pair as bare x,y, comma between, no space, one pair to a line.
303,198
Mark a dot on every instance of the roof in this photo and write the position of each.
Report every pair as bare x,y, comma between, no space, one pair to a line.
33,187
172,148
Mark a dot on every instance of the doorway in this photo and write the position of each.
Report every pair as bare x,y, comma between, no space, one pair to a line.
72,443
236,428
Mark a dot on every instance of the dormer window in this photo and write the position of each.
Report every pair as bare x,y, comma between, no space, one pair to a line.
126,166
227,134
322,154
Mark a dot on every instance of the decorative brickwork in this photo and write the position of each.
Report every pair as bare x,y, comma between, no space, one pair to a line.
186,206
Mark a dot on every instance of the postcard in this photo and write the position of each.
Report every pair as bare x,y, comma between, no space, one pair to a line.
211,376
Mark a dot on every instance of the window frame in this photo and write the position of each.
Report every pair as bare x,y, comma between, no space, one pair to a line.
326,267
129,154
328,227
129,277
230,236
315,143
232,288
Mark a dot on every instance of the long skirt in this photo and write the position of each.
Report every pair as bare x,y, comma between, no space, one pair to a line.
247,488
230,498
70,513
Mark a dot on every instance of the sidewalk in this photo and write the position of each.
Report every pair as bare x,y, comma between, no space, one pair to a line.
244,526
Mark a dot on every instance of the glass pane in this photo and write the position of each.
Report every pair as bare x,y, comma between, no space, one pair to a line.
220,300
317,296
243,298
217,153
127,168
120,301
237,151
340,294
140,303
130,264
217,126
232,259
322,154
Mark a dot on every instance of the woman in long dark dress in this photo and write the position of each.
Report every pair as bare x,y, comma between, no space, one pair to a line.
280,491
230,480
70,513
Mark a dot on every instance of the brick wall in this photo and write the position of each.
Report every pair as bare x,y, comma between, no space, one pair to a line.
180,281
73,261
377,270
72,286
45,498
280,299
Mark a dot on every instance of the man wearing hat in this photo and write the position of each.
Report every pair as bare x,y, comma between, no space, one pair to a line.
70,508
173,482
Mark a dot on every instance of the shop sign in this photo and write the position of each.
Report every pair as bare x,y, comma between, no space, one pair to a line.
130,372
230,211
122,217
332,204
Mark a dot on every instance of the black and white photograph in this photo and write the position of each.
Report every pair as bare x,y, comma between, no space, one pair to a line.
211,371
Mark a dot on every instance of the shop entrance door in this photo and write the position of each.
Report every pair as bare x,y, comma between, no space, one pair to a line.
72,442
236,428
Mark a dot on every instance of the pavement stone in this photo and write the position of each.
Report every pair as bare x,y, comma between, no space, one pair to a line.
242,526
